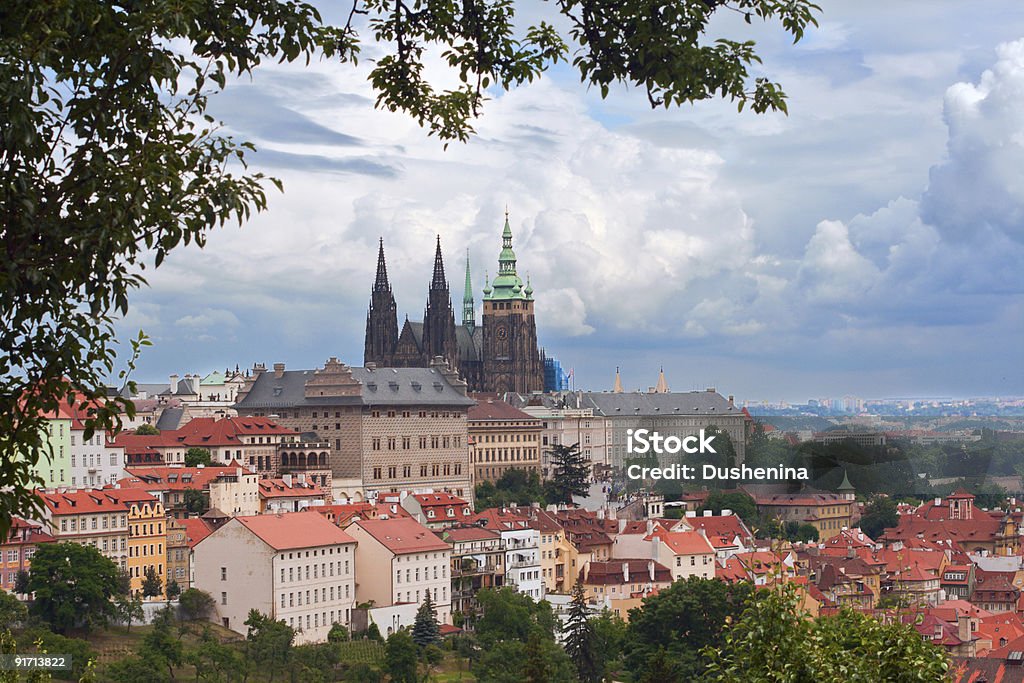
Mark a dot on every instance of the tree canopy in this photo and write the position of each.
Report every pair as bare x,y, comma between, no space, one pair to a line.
570,473
109,157
73,586
196,456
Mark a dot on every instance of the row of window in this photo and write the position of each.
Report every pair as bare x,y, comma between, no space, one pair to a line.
505,455
409,573
72,524
323,569
693,560
318,619
433,595
139,572
141,550
407,413
435,470
13,555
90,460
319,595
436,441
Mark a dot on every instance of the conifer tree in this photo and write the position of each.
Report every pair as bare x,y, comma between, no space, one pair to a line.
579,639
152,586
570,475
425,630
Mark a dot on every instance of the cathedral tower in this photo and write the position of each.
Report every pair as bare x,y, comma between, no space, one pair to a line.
439,318
510,353
382,318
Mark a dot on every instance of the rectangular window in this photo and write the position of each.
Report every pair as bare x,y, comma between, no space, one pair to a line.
376,472
224,598
223,573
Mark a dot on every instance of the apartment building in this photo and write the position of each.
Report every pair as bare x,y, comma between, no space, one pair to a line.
437,510
522,549
400,560
16,552
230,488
290,494
478,558
294,567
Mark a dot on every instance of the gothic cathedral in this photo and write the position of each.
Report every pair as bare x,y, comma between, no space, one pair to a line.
501,355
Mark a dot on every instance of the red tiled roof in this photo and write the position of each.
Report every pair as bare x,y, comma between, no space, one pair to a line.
402,535
196,529
84,501
610,573
287,531
178,478
501,519
467,534
683,542
279,488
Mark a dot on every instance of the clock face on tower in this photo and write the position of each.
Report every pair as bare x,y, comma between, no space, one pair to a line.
502,332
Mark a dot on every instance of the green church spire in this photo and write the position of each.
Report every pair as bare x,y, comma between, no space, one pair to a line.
468,312
507,285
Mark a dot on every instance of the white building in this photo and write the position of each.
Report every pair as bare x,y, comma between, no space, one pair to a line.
296,567
400,561
522,550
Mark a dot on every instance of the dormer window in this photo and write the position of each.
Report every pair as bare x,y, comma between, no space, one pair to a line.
430,514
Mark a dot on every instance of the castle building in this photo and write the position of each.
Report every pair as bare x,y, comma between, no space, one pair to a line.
500,355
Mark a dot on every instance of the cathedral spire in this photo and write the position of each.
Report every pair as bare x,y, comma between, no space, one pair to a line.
381,284
618,382
662,387
438,281
468,308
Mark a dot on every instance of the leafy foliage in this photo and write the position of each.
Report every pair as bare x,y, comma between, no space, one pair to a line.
196,502
268,643
739,502
879,514
774,641
514,486
109,155
196,604
73,586
147,429
152,585
12,610
196,456
669,631
129,609
401,658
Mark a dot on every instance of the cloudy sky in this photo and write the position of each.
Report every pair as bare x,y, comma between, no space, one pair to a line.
870,243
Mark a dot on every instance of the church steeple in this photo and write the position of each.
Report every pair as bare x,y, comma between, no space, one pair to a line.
382,317
439,281
381,284
618,382
507,284
662,387
468,308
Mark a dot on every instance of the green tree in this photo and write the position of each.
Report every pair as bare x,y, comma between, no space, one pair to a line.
73,586
214,661
173,589
197,456
739,502
338,634
401,658
162,644
570,474
426,630
129,609
773,641
879,514
510,615
196,604
681,620
21,582
152,585
110,154
609,640
147,429
12,610
196,502
268,644
580,641
142,668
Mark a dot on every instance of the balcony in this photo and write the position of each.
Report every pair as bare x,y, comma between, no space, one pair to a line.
522,562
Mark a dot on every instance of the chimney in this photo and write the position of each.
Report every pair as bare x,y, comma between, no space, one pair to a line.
278,370
963,627
707,513
174,383
650,569
287,479
938,501
370,366
726,512
690,514
732,400
650,526
622,525
600,513
625,572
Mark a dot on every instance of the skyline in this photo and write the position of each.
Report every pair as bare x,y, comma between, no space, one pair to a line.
866,244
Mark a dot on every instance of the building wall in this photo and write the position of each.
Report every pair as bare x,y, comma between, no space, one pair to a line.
500,445
246,581
147,541
93,462
240,497
56,470
522,562
399,442
178,555
314,588
105,531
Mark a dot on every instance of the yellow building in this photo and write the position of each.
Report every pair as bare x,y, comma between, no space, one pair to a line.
829,513
147,539
502,438
560,560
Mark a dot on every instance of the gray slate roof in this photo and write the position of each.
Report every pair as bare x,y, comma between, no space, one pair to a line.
651,405
469,344
382,386
170,419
